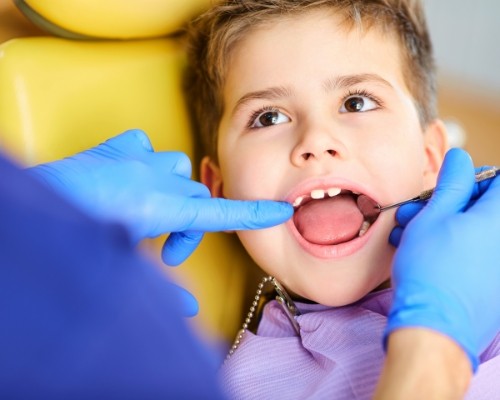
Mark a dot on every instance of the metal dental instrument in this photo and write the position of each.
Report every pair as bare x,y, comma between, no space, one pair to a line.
426,194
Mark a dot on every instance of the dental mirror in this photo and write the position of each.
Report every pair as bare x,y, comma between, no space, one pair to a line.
371,209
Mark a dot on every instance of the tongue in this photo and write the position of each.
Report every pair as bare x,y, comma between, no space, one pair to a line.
329,221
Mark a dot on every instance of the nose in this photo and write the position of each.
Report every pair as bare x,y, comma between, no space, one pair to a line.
316,144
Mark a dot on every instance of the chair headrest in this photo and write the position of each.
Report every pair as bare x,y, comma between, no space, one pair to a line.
111,19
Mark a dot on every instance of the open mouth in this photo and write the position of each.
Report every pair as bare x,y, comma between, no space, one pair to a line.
333,216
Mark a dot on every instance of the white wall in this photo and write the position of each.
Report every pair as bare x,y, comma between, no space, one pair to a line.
466,37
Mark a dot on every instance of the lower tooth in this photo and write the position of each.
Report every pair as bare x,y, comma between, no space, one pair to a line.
364,228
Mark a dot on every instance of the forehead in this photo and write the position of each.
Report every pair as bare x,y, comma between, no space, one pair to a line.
311,44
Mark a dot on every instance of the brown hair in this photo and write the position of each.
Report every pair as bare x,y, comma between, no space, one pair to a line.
213,35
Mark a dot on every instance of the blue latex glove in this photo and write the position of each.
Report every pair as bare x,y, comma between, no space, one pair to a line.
84,315
446,273
151,193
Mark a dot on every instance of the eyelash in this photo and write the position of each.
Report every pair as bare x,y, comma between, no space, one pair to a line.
363,93
258,112
351,93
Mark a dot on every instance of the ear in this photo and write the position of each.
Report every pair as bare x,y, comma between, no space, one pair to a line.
436,145
210,176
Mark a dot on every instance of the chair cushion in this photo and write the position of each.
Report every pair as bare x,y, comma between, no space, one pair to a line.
61,96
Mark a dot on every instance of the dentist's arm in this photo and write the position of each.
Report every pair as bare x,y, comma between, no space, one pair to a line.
423,364
446,280
152,193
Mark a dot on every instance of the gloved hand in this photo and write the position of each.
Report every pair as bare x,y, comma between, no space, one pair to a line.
446,271
151,193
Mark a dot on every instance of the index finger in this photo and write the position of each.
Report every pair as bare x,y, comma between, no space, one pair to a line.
217,214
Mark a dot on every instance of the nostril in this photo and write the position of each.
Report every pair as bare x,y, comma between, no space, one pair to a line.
308,155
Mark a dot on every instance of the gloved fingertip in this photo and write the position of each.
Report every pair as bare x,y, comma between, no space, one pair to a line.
179,246
458,155
143,139
133,141
230,215
455,183
457,169
188,304
270,213
172,257
406,212
395,236
286,209
182,165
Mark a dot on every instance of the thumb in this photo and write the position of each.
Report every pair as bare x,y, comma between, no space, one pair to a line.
133,142
455,184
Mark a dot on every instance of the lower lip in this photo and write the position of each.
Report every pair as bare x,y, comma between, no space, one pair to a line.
331,251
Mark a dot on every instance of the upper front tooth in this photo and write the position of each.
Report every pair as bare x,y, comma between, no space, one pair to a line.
318,194
333,191
297,201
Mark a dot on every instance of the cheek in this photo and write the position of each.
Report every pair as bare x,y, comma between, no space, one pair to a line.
253,166
398,164
267,248
248,175
430,180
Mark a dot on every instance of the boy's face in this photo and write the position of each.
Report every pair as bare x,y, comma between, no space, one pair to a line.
311,108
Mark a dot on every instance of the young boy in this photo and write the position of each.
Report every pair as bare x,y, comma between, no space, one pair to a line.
317,102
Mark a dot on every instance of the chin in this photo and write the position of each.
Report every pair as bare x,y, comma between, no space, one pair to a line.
338,295
341,299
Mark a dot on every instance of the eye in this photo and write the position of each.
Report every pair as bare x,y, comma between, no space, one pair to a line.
359,102
267,117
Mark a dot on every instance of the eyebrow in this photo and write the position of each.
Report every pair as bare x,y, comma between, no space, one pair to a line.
271,93
345,81
338,82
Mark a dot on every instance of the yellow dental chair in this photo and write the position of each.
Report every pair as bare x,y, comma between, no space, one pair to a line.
116,68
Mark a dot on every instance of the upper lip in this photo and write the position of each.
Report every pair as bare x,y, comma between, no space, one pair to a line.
306,187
